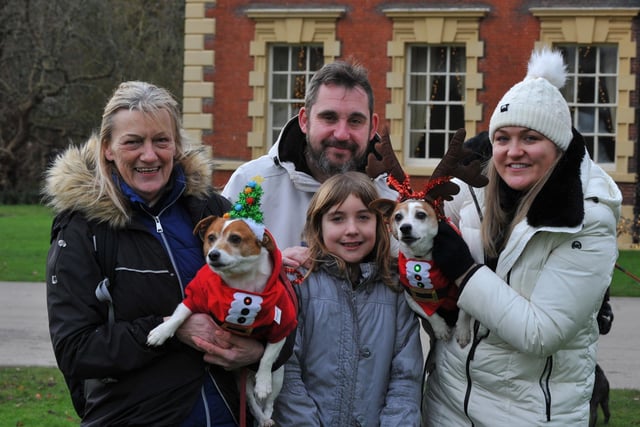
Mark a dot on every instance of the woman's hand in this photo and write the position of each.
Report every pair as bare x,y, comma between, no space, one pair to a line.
221,347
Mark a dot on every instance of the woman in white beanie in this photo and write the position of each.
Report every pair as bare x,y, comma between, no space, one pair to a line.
532,265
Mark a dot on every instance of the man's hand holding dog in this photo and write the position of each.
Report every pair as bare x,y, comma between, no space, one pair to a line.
296,256
221,347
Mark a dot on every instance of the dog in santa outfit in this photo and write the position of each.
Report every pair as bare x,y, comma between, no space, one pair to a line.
243,287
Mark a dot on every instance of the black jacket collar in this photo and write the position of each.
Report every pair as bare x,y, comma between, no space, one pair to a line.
561,201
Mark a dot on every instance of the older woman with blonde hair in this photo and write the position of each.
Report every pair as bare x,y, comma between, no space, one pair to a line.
123,250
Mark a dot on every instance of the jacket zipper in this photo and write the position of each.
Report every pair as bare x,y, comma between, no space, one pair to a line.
160,231
544,386
472,351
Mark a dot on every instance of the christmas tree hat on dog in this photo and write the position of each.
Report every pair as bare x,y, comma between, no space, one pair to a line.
247,207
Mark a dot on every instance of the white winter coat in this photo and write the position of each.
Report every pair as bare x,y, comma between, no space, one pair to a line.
533,356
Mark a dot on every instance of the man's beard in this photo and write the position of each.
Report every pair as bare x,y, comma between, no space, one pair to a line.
320,160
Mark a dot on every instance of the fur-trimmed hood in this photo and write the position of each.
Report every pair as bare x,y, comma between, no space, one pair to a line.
70,182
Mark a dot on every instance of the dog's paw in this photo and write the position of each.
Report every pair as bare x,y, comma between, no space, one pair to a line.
463,336
267,423
443,333
157,336
262,389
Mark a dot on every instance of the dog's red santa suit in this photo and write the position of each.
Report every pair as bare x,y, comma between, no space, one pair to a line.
427,285
270,315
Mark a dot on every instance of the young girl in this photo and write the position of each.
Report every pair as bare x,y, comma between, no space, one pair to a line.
357,357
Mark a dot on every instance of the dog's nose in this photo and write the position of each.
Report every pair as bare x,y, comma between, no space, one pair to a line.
214,255
405,228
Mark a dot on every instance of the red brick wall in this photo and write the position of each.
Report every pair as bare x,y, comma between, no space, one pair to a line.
508,32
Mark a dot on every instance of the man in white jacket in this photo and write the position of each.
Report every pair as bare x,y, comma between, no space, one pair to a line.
334,132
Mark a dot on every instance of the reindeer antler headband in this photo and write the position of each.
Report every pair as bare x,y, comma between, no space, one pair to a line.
439,187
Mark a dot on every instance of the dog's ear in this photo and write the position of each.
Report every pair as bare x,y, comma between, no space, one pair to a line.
384,206
202,226
268,242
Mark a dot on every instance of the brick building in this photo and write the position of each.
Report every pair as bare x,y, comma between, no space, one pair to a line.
435,66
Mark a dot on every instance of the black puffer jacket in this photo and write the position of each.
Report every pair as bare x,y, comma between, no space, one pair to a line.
127,382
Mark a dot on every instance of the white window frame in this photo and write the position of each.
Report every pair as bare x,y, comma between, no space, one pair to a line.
292,101
444,131
579,108
437,26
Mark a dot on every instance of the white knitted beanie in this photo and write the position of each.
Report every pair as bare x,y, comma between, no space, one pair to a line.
536,102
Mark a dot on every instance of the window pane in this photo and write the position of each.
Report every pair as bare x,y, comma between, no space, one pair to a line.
298,86
606,120
606,150
438,60
568,91
586,120
458,60
587,59
299,59
280,114
417,145
418,116
608,60
437,117
317,58
279,87
607,90
456,88
586,90
418,59
457,117
437,88
280,58
418,87
436,145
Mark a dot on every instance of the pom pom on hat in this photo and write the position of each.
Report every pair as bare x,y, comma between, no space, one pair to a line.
247,208
536,102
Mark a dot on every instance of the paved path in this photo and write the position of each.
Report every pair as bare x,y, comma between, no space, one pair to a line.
25,337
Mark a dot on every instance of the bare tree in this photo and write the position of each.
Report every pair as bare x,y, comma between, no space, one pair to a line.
59,62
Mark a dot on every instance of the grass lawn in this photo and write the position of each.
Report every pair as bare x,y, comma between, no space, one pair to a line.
24,242
36,397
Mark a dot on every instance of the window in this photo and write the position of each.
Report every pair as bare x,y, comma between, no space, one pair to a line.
291,68
434,80
601,50
435,94
308,31
591,91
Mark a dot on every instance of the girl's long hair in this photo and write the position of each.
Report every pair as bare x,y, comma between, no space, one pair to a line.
334,191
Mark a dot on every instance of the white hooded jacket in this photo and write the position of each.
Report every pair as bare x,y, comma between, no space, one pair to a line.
533,354
288,189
